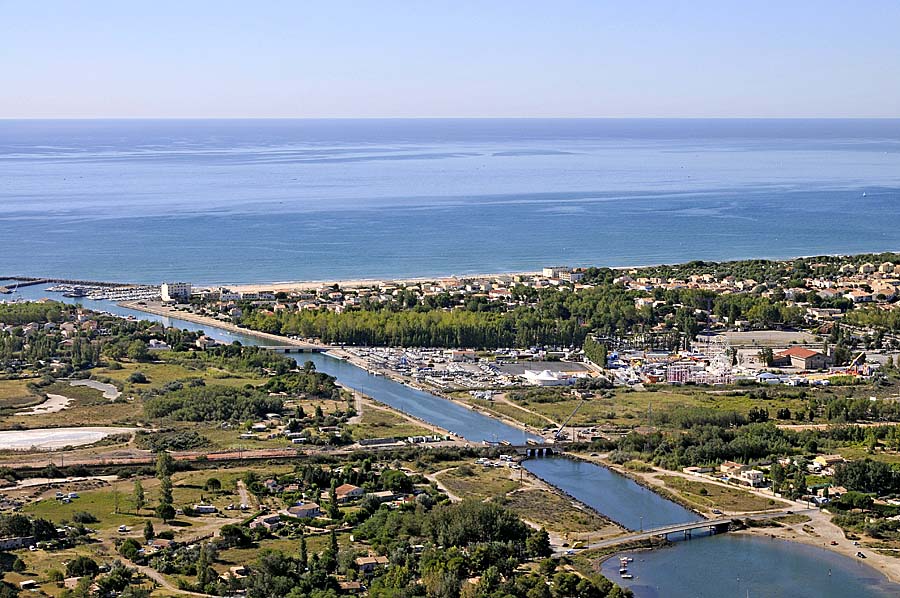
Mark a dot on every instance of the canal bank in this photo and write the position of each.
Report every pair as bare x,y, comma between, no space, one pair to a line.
589,484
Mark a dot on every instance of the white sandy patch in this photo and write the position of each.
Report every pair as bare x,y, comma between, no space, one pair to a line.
53,404
109,391
54,438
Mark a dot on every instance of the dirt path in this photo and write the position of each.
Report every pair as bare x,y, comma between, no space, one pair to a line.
246,497
501,398
165,583
433,477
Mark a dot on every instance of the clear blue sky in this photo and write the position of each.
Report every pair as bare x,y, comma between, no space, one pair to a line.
516,58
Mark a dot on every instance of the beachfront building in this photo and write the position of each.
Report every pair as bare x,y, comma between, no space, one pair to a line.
173,292
554,271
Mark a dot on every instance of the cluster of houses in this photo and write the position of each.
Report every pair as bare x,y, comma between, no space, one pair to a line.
755,477
224,303
307,509
857,283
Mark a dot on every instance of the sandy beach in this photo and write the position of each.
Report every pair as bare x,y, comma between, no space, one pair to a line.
302,285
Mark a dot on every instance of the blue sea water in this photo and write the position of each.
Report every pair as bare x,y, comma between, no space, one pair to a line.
267,200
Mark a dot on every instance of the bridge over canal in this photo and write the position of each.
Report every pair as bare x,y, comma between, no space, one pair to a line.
714,526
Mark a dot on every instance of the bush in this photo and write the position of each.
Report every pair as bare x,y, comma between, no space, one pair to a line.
137,378
84,517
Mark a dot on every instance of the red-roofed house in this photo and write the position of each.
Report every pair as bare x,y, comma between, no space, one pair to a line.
803,358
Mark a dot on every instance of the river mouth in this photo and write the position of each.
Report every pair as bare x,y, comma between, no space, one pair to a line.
741,565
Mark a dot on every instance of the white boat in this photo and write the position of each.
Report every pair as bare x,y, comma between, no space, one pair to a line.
627,576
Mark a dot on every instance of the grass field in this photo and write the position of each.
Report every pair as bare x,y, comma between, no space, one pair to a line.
708,496
101,503
88,408
553,511
632,407
512,412
160,373
475,481
15,394
382,423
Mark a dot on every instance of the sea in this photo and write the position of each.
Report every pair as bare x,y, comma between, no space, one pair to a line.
227,201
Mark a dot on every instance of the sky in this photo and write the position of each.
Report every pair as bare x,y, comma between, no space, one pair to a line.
458,58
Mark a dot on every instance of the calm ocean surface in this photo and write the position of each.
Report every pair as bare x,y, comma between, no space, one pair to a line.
233,201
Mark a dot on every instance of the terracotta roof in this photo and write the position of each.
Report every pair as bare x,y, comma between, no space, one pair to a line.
800,352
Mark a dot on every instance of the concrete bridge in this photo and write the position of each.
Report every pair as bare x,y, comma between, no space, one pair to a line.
714,526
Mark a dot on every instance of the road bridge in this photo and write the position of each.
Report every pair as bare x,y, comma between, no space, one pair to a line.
714,526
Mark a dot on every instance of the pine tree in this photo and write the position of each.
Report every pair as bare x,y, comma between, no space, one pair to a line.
304,555
138,496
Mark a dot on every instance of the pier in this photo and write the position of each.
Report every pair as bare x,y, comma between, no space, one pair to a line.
27,281
298,348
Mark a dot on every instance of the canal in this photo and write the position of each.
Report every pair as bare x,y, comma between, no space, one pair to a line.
724,565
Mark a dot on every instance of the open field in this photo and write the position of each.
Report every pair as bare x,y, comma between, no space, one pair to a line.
706,495
511,411
160,373
383,423
475,481
88,406
631,408
554,511
15,394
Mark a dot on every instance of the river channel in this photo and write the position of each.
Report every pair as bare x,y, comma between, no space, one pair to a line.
729,565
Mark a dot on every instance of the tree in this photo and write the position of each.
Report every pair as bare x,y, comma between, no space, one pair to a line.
205,573
82,566
130,549
304,553
778,476
138,351
138,496
235,536
149,532
166,512
537,544
212,485
333,510
164,464
767,356
165,491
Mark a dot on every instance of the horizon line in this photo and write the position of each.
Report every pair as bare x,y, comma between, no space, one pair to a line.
374,118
